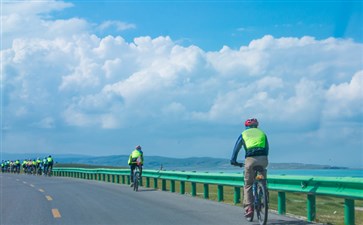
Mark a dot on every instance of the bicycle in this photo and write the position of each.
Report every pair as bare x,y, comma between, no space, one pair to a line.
260,195
136,177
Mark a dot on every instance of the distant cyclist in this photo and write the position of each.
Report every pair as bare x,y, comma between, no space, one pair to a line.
136,158
256,148
49,165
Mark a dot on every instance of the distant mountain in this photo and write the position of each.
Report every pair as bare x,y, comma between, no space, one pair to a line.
14,156
156,162
153,162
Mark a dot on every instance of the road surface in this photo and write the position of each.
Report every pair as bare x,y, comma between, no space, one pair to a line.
34,200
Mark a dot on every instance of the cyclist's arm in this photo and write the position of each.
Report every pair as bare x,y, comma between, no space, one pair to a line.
267,146
237,148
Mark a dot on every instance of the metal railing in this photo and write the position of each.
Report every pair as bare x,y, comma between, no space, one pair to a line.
350,189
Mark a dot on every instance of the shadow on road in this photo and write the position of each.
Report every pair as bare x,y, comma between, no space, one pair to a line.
144,190
281,222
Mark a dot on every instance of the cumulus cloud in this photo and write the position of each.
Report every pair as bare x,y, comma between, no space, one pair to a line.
162,76
345,100
22,19
118,25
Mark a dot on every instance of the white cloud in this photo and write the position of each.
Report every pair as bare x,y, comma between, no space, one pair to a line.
120,26
31,19
345,101
47,123
157,72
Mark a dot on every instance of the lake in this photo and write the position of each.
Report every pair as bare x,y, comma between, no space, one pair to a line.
320,172
304,172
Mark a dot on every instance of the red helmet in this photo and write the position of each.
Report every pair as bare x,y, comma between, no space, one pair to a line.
138,147
251,122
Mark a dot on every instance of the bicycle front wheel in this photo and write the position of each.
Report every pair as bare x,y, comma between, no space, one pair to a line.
262,207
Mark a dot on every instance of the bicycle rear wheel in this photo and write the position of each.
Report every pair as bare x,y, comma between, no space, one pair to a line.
262,207
136,181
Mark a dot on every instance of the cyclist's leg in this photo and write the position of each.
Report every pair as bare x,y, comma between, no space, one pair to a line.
50,169
263,162
248,179
45,169
140,169
132,168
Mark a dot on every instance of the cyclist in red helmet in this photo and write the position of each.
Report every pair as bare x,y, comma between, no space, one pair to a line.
256,148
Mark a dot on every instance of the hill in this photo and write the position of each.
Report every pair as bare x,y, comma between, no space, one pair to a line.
156,162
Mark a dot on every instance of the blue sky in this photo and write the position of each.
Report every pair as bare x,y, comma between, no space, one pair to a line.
180,77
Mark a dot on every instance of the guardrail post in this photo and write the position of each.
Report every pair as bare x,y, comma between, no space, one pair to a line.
194,188
172,185
123,180
182,187
128,180
141,181
281,202
349,212
237,195
311,207
220,193
147,182
163,185
113,178
155,183
206,191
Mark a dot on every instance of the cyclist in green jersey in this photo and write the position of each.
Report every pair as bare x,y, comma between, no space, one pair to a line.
136,158
256,148
50,165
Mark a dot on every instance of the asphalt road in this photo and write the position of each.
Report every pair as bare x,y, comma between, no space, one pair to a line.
33,200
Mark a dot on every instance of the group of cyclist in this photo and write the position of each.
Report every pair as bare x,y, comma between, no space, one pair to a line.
39,166
256,146
253,140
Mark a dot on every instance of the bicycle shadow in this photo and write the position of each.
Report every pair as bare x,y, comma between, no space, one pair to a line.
146,190
281,222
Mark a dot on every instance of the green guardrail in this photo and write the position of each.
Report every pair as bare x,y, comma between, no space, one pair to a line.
350,189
